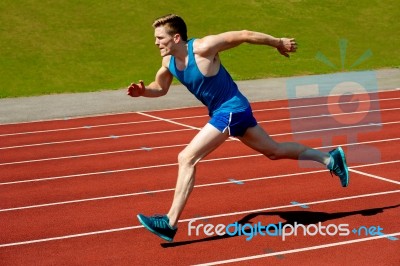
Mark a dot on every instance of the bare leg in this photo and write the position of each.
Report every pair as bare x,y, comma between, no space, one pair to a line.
207,140
257,139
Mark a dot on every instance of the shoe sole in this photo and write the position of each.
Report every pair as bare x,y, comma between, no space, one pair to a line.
154,232
341,152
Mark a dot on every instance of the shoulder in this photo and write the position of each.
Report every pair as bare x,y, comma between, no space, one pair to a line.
199,45
203,46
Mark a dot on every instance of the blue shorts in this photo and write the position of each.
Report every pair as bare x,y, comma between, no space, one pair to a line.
235,123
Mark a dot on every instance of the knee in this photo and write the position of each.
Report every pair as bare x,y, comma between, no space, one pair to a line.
274,154
186,159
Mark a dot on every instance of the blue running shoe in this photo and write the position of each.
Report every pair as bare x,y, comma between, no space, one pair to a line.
339,167
159,225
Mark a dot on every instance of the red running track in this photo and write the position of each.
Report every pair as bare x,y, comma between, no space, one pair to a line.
70,189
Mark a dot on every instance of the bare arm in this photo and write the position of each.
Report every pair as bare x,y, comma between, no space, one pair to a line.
211,45
157,88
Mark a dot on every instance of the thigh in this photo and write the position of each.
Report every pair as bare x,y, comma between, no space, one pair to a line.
259,140
208,139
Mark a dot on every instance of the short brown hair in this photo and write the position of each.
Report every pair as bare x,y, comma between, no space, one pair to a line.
174,24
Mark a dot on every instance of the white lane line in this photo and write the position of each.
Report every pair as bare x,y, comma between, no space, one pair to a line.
119,170
140,149
172,189
201,218
375,176
91,154
155,191
177,123
295,118
171,164
328,115
297,250
318,105
169,121
337,128
173,122
190,117
126,123
89,139
188,127
70,236
77,128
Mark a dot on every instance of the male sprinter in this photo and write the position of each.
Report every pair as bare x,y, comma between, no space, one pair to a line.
196,64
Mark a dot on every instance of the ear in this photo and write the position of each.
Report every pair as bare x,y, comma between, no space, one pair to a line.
177,38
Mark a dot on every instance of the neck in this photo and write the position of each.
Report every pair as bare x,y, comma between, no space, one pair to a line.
181,51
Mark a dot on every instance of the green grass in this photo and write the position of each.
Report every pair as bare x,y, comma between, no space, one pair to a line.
75,46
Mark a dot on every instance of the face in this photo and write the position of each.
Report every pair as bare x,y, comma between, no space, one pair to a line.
164,41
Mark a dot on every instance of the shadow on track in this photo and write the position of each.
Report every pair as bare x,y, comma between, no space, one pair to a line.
290,217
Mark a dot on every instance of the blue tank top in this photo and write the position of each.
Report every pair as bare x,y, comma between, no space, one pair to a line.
218,93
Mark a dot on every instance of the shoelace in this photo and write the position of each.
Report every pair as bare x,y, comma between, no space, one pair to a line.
158,221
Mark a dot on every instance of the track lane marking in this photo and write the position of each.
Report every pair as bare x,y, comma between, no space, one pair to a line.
188,127
170,164
199,218
161,147
172,189
76,128
375,176
297,250
169,121
90,139
185,125
133,122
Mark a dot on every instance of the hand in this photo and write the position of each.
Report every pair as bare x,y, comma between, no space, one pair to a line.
136,90
286,46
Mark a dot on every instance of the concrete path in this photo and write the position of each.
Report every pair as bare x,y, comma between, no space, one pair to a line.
47,107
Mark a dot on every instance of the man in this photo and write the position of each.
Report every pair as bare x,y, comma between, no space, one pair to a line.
196,64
